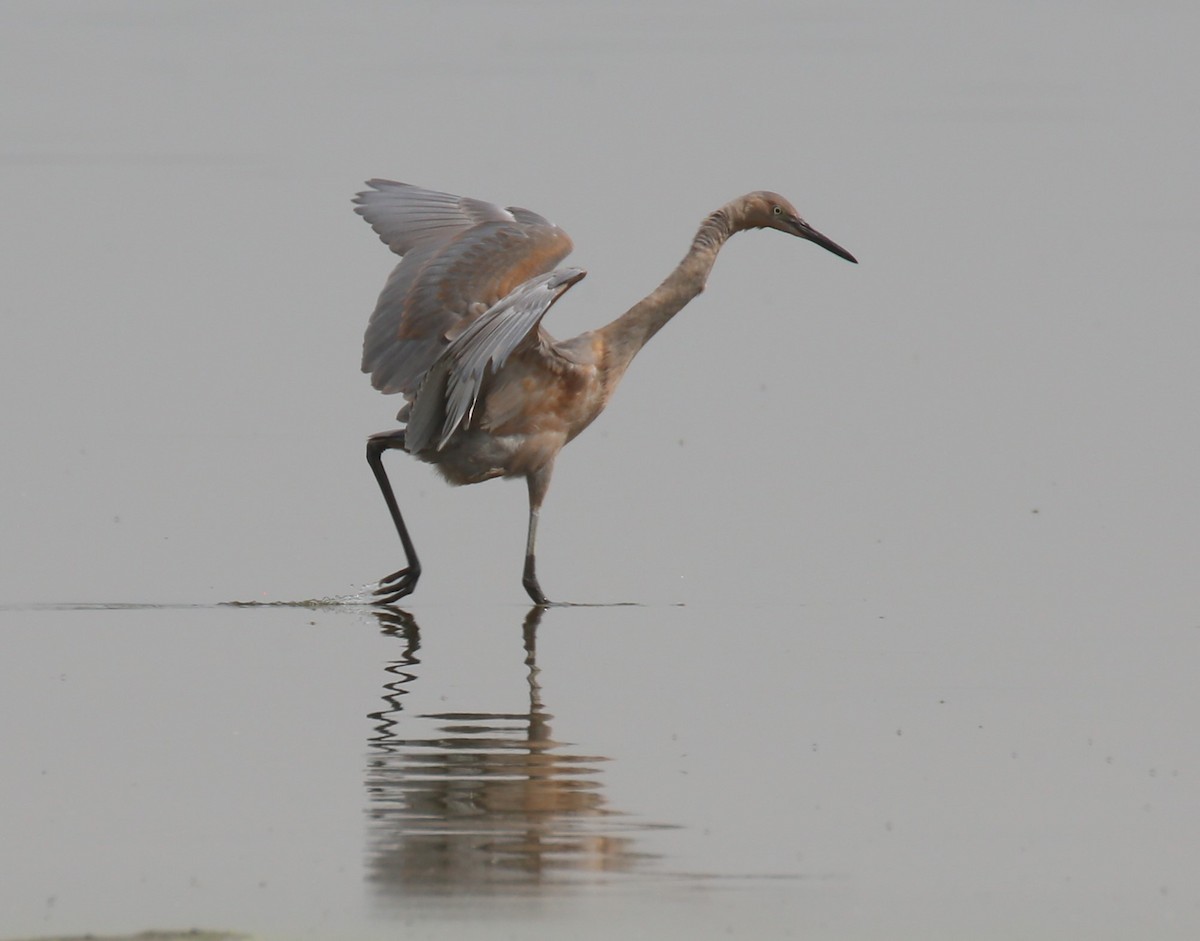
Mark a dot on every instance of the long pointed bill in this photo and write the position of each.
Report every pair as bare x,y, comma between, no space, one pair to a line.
806,231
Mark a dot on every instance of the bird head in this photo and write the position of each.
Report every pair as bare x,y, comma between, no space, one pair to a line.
767,210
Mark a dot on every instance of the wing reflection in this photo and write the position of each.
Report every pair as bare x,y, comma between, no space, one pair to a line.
483,802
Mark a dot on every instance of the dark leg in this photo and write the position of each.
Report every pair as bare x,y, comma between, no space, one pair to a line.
539,483
395,586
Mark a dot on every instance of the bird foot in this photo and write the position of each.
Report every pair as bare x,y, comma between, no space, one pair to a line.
395,586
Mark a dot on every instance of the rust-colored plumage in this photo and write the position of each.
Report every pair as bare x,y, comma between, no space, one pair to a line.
458,330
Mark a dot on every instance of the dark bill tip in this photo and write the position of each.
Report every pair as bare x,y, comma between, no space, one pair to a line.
806,231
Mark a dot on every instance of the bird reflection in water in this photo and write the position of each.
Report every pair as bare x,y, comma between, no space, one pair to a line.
484,802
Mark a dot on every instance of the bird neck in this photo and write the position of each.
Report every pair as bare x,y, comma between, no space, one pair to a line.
625,336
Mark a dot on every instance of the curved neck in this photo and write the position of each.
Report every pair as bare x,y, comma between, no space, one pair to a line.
625,336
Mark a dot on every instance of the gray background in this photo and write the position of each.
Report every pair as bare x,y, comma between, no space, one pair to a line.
914,542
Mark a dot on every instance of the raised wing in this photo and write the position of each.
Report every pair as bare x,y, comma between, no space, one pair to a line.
447,395
460,257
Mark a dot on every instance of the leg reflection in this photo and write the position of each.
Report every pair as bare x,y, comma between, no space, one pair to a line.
480,801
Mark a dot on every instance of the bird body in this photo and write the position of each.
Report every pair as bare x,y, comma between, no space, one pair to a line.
458,330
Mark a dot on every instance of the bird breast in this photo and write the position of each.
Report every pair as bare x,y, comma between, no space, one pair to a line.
525,415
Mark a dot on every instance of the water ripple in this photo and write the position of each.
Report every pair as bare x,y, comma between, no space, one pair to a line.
484,802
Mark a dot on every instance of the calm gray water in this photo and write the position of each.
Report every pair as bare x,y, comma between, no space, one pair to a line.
911,546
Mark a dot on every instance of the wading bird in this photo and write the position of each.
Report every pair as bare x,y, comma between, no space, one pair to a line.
458,331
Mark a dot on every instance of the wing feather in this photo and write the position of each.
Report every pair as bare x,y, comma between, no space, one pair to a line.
452,385
460,256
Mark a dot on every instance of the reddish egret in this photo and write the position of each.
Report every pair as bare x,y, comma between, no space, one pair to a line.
458,330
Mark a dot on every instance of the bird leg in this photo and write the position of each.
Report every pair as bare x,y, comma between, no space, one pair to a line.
529,580
539,483
400,583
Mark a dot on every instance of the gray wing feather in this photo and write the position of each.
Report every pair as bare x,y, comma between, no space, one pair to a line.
451,387
460,256
406,216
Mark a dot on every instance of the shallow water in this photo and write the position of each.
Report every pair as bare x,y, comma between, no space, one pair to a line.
771,771
888,570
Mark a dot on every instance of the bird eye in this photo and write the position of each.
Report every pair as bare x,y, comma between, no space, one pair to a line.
777,210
